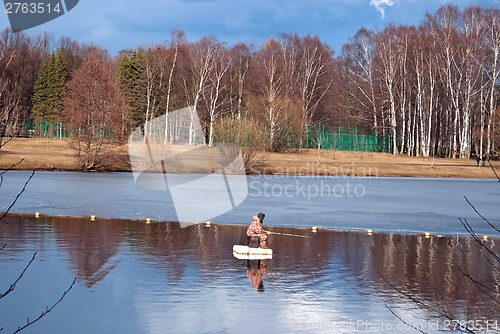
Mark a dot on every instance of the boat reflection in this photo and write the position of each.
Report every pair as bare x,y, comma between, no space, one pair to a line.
255,271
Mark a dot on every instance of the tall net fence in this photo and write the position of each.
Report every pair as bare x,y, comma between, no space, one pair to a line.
345,139
326,137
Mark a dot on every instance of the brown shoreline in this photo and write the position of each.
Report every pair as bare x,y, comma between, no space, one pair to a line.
298,230
56,155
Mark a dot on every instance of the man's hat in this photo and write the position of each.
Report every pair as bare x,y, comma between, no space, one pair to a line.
261,216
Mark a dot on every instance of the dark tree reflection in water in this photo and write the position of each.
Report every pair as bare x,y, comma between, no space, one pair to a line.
143,278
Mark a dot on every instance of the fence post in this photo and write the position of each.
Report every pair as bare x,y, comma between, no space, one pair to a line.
307,136
358,147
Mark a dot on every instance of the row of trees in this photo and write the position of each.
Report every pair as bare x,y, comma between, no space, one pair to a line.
274,90
434,88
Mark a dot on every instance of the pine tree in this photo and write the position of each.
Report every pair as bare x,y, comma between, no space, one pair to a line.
58,81
41,108
49,88
131,67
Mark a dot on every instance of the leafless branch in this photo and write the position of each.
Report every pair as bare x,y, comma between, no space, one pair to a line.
17,197
483,288
482,217
440,310
478,240
3,141
494,171
13,285
11,167
404,322
47,309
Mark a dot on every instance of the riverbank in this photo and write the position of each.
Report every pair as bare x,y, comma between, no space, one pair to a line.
56,154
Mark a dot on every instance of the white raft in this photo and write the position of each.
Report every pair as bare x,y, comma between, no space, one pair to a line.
243,252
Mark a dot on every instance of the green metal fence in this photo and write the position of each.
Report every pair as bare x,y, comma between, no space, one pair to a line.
345,139
44,129
326,137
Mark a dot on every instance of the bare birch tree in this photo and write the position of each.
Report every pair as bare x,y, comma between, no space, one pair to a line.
471,75
403,93
215,87
443,26
155,73
273,86
360,52
491,24
424,85
290,47
177,39
240,63
315,59
388,71
203,56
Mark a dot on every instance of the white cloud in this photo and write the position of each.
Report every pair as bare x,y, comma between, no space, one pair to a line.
380,5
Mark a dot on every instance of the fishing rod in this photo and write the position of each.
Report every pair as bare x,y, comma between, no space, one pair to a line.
290,235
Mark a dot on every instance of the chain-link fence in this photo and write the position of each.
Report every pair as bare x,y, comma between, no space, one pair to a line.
345,139
326,137
44,129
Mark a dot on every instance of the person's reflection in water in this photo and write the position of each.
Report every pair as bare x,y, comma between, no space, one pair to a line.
255,270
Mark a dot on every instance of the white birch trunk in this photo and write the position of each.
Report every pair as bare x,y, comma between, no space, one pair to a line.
169,90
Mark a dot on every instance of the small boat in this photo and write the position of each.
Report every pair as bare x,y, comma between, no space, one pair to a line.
243,252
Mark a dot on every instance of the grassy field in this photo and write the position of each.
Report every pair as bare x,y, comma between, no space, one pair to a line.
56,154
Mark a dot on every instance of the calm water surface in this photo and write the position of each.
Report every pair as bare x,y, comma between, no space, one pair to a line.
161,278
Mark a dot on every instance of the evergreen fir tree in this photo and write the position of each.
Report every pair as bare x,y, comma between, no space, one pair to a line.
131,88
59,81
40,111
49,88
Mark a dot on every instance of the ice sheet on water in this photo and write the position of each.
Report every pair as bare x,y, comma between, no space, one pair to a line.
380,204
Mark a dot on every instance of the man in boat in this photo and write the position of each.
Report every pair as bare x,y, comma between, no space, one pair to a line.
256,235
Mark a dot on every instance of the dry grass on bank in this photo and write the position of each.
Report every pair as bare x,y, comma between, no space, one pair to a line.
362,164
50,154
56,154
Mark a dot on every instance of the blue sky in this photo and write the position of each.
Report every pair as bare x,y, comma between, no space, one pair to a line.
121,24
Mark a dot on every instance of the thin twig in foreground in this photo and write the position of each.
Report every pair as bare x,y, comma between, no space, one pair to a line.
443,311
480,215
483,288
11,167
469,229
13,285
47,309
17,197
493,169
404,322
